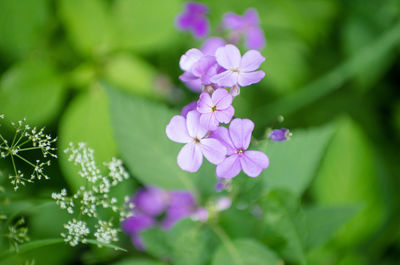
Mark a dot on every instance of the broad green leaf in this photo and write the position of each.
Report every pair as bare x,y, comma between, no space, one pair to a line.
25,90
323,222
293,163
88,24
131,74
139,129
145,25
24,25
86,120
245,252
139,261
155,242
348,175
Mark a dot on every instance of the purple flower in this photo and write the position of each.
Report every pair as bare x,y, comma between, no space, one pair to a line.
194,19
223,184
182,205
211,45
247,25
279,135
237,140
215,109
189,131
189,107
151,201
239,70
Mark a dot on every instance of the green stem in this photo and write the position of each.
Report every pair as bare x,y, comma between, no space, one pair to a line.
228,244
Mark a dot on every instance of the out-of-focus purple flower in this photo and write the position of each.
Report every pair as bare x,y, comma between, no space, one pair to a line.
201,215
223,184
215,109
182,205
238,70
235,91
151,201
236,141
279,135
189,107
194,19
189,131
248,26
211,45
223,203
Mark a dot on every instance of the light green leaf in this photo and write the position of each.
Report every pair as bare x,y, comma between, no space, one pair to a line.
245,252
88,25
293,163
23,26
139,129
145,25
155,242
348,175
25,90
86,120
139,261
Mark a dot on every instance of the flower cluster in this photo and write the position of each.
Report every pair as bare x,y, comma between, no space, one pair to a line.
246,27
27,139
157,207
90,198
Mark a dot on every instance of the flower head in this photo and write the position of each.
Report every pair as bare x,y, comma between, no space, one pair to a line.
215,108
237,140
248,26
194,19
238,70
279,135
189,131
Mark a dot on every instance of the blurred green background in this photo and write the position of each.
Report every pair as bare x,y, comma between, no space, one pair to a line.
328,63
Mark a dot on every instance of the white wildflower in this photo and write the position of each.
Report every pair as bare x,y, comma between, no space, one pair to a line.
77,232
105,232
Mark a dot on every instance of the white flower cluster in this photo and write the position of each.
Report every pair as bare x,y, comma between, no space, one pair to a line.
77,232
27,139
93,196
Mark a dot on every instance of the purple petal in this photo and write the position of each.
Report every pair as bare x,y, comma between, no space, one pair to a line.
225,115
196,8
240,131
253,162
251,17
251,61
213,150
229,168
223,203
137,223
228,56
182,205
189,58
232,21
151,201
190,157
255,38
188,76
193,125
279,135
176,130
227,78
189,107
204,104
184,21
201,215
246,79
200,27
194,85
222,135
211,45
235,91
221,98
209,121
137,242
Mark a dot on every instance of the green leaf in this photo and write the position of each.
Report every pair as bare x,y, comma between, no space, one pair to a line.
145,25
139,128
245,252
348,175
24,25
155,242
25,90
324,221
139,261
88,24
293,163
30,246
86,120
107,245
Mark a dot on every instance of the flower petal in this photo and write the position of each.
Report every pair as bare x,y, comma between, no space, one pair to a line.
189,107
251,17
151,201
253,162
200,27
255,38
176,130
213,150
189,58
222,135
204,104
229,168
228,56
246,79
251,61
221,98
187,76
190,157
225,115
202,66
232,21
227,78
209,121
138,222
211,45
240,131
193,125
